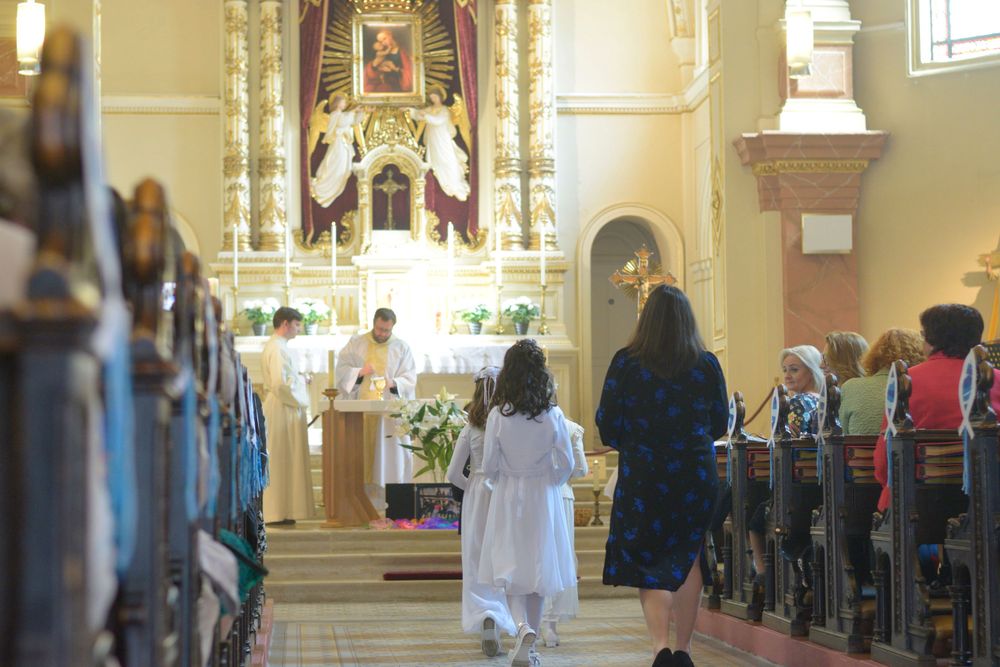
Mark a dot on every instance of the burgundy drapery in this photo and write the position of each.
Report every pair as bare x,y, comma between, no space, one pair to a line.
465,214
312,28
465,33
312,31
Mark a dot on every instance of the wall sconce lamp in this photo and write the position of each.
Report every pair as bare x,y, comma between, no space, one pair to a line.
798,41
30,35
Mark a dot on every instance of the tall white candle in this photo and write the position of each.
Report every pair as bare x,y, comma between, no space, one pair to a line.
333,279
542,249
499,274
288,256
236,257
333,254
451,269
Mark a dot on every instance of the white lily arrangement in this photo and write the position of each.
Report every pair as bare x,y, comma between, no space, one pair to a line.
260,311
313,311
521,309
434,428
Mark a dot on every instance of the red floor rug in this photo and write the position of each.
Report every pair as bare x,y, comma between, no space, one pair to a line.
426,575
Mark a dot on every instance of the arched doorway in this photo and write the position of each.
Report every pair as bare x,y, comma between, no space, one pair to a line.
612,312
645,224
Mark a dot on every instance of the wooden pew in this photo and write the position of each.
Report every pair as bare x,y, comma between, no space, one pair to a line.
228,649
786,605
841,619
738,583
9,482
142,617
911,622
716,538
56,373
50,399
183,459
972,543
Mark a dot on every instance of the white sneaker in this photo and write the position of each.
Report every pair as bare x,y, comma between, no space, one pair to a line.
549,635
490,637
520,655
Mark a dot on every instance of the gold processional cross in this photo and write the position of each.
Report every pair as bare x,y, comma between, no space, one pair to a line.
637,278
390,188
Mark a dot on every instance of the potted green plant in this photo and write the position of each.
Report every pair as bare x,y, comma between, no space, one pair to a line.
313,312
521,311
260,312
475,317
433,429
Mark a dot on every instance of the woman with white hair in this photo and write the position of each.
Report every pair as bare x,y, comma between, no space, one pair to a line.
802,377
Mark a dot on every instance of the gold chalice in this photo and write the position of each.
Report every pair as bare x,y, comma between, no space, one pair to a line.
379,383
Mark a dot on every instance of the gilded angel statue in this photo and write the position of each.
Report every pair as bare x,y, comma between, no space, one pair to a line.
440,124
337,127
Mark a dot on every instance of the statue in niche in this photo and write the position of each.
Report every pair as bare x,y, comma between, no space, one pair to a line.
391,200
337,123
440,125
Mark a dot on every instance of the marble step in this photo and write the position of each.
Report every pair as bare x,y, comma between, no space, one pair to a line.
582,491
371,566
316,460
311,537
581,501
399,591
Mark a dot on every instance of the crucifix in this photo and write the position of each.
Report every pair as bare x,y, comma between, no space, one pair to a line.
637,278
390,188
991,261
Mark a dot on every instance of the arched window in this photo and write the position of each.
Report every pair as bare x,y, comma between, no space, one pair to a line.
947,35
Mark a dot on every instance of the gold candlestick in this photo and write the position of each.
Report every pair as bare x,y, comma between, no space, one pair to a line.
543,328
333,308
236,310
500,330
597,509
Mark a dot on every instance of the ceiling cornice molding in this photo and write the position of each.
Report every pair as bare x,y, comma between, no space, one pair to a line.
636,104
162,105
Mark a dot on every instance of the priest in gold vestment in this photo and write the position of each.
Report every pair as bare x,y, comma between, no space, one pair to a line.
289,496
367,357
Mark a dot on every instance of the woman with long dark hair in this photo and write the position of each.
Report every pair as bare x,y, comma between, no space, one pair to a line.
664,403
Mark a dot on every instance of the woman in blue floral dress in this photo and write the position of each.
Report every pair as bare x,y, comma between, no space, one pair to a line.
664,403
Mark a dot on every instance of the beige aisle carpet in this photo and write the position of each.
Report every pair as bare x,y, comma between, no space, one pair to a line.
380,634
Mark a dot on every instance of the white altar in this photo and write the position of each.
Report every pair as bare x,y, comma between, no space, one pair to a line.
443,360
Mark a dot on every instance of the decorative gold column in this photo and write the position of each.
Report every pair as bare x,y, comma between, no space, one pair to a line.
507,168
271,156
542,118
236,161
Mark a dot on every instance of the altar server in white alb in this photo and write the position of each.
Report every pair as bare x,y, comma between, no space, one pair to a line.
528,456
484,606
289,495
566,605
368,357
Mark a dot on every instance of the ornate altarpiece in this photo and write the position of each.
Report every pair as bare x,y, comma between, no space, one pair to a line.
344,48
435,45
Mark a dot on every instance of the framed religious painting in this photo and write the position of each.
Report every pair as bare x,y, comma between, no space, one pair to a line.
388,59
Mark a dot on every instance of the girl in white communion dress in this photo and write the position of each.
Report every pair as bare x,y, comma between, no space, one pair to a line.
566,605
528,456
484,606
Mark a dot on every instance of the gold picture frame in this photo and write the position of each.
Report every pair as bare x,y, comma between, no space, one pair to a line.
388,59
